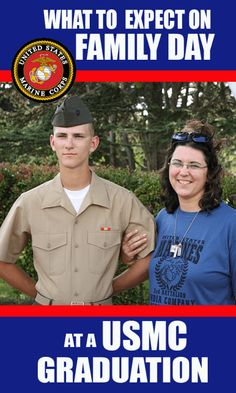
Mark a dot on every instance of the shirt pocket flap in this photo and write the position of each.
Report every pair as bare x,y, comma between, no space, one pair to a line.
106,239
49,241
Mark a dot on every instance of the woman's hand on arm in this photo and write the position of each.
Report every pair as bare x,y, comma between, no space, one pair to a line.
132,244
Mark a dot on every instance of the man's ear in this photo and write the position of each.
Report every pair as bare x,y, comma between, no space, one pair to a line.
94,143
52,142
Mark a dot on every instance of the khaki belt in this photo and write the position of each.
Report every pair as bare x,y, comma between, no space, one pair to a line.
45,301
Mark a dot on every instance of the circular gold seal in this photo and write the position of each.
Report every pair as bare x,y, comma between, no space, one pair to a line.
43,70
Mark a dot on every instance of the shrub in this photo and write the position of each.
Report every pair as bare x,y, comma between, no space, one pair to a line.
15,179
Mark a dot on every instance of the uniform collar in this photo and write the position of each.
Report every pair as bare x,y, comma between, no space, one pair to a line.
98,191
56,196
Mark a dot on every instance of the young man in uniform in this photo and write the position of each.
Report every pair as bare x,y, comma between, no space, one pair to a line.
76,223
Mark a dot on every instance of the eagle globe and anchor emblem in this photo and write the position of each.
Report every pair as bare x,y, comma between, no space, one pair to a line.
44,72
171,275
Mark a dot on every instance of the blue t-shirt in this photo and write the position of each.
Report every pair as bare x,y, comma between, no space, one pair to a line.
205,273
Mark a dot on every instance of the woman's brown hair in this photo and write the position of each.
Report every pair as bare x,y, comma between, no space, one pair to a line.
213,190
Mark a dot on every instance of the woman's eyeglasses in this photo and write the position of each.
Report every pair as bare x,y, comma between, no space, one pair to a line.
192,166
190,137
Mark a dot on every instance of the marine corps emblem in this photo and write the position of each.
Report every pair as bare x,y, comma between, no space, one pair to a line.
43,70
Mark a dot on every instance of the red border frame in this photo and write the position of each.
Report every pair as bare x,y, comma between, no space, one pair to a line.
146,76
117,311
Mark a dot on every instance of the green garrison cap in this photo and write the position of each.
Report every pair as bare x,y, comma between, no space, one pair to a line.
72,112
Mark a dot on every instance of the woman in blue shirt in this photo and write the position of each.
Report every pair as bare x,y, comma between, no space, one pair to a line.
195,257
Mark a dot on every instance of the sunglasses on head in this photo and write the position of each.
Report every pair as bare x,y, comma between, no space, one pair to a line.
190,137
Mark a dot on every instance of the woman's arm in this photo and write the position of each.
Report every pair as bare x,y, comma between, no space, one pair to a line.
131,277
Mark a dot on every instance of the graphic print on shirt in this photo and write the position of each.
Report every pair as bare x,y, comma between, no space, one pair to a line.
170,273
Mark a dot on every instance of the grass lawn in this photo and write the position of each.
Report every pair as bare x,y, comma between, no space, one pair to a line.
9,295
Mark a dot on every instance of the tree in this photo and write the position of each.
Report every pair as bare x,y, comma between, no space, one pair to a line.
134,120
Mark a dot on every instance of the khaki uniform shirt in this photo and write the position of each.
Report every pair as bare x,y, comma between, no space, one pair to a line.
75,254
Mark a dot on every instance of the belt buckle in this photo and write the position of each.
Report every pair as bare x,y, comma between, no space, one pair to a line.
77,303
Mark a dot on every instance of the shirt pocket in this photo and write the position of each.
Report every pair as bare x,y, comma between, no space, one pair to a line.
50,252
104,249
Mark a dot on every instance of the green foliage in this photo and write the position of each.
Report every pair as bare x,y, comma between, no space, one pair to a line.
145,185
229,190
9,295
7,181
133,120
121,176
148,191
15,179
25,261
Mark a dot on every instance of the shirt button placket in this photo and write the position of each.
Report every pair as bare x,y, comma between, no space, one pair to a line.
75,259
